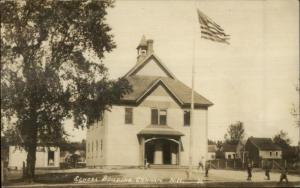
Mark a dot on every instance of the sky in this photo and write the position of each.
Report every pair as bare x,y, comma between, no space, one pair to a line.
252,80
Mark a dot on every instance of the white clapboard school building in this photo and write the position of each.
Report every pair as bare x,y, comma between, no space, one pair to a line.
152,123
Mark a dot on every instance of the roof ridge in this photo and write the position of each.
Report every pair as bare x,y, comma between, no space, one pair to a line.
144,61
153,84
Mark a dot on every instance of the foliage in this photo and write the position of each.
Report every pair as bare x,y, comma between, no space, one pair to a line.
210,142
72,146
235,133
219,144
295,109
288,152
46,73
282,139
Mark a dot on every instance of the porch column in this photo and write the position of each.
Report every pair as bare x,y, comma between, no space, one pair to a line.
174,154
158,153
178,153
142,151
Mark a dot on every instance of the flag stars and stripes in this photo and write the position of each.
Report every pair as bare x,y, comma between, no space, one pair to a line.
211,30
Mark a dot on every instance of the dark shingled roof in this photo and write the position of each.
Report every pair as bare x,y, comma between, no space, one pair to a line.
264,143
160,130
229,147
141,84
212,148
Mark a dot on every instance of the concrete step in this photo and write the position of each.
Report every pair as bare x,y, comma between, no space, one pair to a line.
164,166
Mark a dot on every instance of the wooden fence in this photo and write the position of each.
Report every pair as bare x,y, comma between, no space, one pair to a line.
238,164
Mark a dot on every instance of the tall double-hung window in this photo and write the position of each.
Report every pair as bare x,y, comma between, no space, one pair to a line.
158,116
128,115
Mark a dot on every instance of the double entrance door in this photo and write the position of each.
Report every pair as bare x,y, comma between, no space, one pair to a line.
161,151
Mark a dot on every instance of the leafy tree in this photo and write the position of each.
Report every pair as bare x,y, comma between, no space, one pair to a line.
219,144
295,111
282,140
46,73
235,133
211,142
288,152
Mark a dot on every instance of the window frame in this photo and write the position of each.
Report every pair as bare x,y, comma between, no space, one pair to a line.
189,121
163,115
158,116
125,116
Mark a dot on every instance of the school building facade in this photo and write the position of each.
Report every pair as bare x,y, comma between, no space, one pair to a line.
152,123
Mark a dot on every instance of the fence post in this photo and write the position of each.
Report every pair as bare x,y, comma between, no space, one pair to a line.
272,164
225,163
218,163
233,163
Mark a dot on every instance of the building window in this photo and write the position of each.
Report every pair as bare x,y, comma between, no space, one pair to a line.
229,156
154,116
128,115
276,153
270,153
88,147
163,117
187,118
158,117
101,145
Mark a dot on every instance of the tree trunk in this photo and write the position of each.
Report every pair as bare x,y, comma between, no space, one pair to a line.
31,155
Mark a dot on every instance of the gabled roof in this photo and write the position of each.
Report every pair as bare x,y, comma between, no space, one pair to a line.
146,60
229,147
263,143
212,148
142,86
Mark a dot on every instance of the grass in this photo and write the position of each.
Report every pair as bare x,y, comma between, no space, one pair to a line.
60,178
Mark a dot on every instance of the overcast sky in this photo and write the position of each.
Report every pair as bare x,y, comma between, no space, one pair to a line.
251,80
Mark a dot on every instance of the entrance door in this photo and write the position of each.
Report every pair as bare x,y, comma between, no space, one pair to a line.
161,152
149,152
167,152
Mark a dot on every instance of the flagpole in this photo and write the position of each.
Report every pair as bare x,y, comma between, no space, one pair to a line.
192,105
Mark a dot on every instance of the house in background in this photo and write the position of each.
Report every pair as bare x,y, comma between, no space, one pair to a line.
46,157
152,123
262,149
229,151
211,152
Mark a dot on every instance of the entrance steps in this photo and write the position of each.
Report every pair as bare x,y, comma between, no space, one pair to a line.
164,166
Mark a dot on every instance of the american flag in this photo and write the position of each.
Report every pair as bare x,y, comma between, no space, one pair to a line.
210,30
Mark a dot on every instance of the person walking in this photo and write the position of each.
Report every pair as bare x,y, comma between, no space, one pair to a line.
267,170
147,165
200,165
207,167
283,175
249,170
